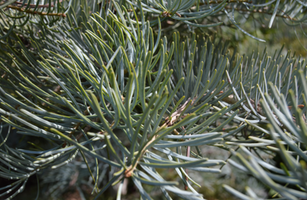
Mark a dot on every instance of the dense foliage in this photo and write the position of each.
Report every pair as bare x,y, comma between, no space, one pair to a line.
116,95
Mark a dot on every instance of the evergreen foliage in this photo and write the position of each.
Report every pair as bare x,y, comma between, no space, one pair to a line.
103,89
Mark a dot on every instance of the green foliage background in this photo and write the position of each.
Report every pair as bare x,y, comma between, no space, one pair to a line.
148,99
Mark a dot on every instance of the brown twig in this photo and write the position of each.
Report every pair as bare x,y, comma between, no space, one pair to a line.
36,12
22,8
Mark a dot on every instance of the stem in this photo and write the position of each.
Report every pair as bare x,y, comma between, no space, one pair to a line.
36,12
